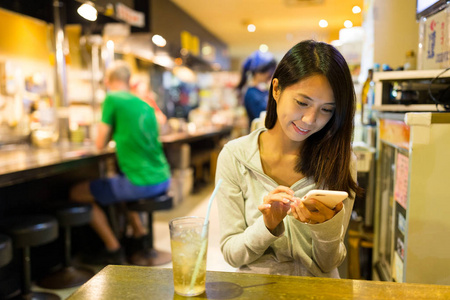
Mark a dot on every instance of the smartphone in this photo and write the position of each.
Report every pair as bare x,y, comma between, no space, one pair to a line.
327,197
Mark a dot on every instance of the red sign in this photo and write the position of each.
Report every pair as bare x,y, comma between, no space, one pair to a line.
132,17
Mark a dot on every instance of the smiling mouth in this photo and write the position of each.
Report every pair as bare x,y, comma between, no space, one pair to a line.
301,130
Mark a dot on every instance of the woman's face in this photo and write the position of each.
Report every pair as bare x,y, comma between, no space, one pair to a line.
305,107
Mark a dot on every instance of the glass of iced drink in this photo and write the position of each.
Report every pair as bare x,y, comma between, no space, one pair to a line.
189,242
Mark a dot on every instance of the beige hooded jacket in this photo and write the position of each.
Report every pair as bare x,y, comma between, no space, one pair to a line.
297,248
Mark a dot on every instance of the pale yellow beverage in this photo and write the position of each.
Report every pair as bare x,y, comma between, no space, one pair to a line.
189,242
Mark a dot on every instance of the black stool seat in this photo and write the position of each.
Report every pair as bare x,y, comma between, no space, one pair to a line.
160,202
73,214
5,250
30,231
27,231
151,256
69,215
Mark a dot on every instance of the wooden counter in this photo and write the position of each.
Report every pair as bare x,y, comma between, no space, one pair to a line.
22,163
130,282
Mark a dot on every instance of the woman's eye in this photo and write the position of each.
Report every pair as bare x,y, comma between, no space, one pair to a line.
301,103
328,110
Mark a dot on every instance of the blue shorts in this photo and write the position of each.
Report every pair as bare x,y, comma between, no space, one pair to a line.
119,189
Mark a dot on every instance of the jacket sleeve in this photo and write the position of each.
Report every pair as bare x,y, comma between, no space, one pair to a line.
328,238
240,244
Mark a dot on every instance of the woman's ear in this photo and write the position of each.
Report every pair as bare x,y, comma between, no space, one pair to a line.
276,89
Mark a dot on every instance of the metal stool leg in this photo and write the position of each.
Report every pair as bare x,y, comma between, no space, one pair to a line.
150,256
69,276
26,292
26,270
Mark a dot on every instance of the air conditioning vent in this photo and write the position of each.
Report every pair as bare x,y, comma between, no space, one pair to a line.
303,2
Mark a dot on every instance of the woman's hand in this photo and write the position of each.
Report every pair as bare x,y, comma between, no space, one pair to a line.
275,206
314,211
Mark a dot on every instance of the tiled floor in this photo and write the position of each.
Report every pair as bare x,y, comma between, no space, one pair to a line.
194,205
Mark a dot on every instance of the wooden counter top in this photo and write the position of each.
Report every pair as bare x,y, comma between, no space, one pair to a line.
131,282
20,163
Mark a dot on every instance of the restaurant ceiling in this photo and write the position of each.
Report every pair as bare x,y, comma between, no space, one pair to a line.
279,23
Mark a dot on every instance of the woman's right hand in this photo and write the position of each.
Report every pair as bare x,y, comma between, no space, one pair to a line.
275,206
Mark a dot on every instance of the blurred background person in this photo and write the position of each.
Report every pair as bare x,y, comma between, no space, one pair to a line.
253,87
144,170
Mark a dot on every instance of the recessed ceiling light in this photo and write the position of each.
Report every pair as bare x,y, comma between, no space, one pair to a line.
263,48
251,28
348,24
323,23
356,9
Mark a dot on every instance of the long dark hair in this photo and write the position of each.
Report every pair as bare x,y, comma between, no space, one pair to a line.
325,155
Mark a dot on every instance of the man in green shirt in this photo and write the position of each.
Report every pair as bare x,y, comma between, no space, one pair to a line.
144,169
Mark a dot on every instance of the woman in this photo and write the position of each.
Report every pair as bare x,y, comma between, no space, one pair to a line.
306,145
259,67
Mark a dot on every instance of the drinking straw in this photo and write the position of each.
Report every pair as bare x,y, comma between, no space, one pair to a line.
203,247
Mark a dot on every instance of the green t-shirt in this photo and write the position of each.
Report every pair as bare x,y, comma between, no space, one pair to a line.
135,130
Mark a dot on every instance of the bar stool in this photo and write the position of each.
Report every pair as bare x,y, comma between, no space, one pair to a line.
26,232
5,250
69,215
9,287
150,256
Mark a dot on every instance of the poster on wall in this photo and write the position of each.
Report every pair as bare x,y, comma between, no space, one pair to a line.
401,180
434,42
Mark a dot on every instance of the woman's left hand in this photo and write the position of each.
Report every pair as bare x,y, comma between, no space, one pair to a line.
316,212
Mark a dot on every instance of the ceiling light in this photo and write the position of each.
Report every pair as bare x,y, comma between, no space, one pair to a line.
263,48
159,40
356,9
207,50
251,28
323,23
88,11
348,24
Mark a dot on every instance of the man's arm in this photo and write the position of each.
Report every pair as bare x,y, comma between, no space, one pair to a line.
103,135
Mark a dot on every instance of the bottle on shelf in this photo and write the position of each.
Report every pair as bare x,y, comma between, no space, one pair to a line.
410,61
367,99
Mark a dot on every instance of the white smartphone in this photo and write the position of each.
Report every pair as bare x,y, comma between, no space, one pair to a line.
327,197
